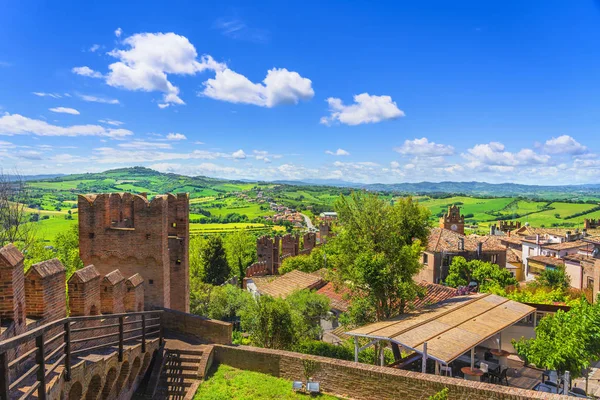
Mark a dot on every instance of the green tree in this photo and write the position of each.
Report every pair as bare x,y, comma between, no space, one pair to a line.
554,278
565,341
305,263
199,296
378,248
441,395
65,249
216,269
486,274
308,308
226,302
196,255
269,322
240,248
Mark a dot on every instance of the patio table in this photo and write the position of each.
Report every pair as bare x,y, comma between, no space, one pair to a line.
472,374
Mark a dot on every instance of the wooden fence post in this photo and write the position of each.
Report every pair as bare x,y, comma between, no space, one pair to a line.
4,379
41,373
143,333
67,351
120,339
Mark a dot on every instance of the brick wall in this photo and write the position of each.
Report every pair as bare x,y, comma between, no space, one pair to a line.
310,241
112,293
361,381
140,245
134,299
12,288
84,292
45,293
179,243
205,329
290,245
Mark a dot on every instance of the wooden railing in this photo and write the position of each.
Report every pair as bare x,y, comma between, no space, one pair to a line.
81,335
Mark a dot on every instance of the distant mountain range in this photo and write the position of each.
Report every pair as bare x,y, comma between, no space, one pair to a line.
571,192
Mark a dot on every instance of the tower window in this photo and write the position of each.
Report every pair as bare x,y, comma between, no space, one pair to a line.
178,262
174,225
151,281
92,235
147,236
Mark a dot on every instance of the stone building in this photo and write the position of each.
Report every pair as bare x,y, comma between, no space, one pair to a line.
444,244
453,220
127,232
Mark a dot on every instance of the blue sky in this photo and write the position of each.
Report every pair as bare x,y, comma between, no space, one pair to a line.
361,91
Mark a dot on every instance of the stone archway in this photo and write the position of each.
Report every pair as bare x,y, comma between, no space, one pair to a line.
123,374
109,383
146,361
94,388
76,391
135,370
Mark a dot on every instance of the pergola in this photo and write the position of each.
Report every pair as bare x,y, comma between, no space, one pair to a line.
447,330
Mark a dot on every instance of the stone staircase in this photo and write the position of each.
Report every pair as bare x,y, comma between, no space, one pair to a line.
181,373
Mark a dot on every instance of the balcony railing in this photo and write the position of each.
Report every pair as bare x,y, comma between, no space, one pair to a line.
45,352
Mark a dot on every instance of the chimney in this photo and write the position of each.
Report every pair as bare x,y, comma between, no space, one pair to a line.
537,239
508,233
492,230
461,244
479,249
584,232
568,236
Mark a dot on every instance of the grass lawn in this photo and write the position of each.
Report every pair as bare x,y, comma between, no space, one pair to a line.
49,228
231,383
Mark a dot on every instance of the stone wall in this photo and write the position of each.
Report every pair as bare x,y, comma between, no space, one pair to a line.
205,329
365,382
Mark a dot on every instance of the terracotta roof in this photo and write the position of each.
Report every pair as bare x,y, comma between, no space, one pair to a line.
336,296
114,277
565,245
85,274
514,256
547,260
47,268
284,285
134,280
577,257
447,240
512,239
435,293
10,256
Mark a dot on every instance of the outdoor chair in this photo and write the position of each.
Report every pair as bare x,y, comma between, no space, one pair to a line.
447,371
578,391
485,369
297,386
503,376
313,387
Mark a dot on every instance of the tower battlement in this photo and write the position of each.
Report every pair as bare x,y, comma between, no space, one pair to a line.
128,232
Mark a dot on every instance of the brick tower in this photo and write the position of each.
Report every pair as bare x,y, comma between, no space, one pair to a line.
453,220
267,251
127,232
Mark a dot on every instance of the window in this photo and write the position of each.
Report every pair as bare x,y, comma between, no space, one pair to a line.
174,225
494,258
446,261
178,262
590,282
92,235
425,258
147,236
151,281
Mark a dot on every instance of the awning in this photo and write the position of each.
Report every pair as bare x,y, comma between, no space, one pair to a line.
450,328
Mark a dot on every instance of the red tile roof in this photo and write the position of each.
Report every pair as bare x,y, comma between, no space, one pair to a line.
446,240
434,294
336,296
284,285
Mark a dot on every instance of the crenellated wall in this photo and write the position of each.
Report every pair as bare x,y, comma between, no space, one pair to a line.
45,294
12,288
84,292
112,293
134,299
128,232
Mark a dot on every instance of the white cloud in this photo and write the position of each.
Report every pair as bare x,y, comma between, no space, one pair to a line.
205,169
494,154
198,142
15,124
239,155
95,99
564,144
94,48
264,155
236,29
424,148
64,110
338,152
144,145
110,155
43,94
86,71
144,65
176,136
366,109
118,32
111,122
395,164
279,87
